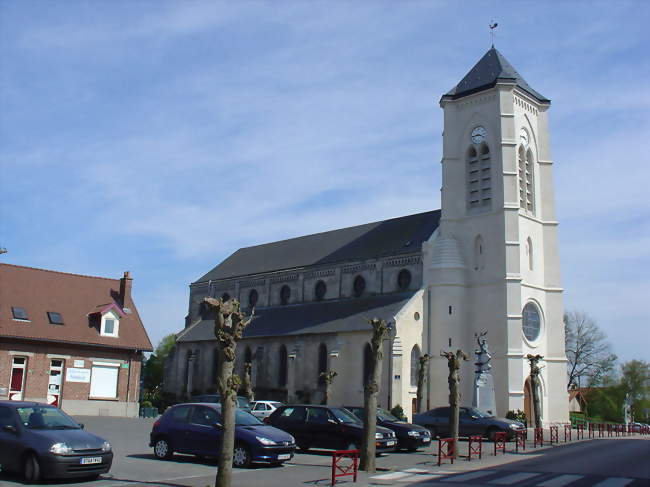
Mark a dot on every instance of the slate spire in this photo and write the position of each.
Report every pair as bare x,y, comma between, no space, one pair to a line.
490,69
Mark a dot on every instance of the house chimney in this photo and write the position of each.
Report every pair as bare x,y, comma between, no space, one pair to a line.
125,288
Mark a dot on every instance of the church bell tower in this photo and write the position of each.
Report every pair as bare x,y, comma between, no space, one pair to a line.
493,263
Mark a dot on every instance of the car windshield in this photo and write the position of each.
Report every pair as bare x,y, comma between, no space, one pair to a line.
45,418
478,414
344,416
244,418
384,415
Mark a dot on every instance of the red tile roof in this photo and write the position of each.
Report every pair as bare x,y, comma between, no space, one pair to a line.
75,297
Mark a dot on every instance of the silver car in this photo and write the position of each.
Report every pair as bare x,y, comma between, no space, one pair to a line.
263,409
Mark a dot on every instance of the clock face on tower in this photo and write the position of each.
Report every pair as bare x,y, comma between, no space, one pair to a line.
478,134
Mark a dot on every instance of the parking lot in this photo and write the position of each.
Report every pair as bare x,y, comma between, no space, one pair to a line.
134,464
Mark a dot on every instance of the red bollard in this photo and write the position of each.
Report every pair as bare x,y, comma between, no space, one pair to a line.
567,432
446,450
539,437
339,470
601,430
609,430
591,430
500,442
580,434
475,447
618,430
554,434
520,440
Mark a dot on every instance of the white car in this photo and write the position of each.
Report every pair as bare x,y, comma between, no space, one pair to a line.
263,409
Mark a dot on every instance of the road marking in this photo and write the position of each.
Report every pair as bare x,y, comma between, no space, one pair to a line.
390,476
416,470
514,478
420,478
560,481
614,482
469,476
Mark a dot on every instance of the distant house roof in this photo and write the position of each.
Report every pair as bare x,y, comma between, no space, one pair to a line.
76,298
316,317
490,69
388,237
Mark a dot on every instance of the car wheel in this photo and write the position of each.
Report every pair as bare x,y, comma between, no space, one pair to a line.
162,449
241,457
32,469
491,433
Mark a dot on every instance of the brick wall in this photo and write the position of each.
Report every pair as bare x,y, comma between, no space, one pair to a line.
74,395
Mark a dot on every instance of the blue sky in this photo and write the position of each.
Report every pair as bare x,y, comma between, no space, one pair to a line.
159,137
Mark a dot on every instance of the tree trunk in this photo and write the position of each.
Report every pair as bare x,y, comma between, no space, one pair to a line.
536,409
228,406
454,362
422,375
370,393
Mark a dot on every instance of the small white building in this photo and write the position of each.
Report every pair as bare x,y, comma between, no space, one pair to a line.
487,261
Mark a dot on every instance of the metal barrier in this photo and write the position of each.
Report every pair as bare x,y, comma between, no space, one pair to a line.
617,430
475,447
567,432
554,435
601,430
609,430
500,441
591,430
580,433
446,449
339,470
520,440
539,437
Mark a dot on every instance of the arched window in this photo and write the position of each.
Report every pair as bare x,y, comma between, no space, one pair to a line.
404,279
526,180
359,286
415,365
285,294
367,364
320,290
479,253
248,355
253,297
282,366
479,177
322,363
529,253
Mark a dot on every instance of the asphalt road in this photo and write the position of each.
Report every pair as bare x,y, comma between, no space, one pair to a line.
589,461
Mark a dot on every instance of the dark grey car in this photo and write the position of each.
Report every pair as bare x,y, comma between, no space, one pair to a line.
471,422
41,441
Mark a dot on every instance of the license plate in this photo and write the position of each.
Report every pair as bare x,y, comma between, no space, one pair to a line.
284,456
91,460
390,443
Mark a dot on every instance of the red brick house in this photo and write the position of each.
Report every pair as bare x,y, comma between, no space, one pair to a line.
70,340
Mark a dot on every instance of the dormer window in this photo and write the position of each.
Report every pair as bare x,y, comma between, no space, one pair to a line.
55,318
110,325
19,313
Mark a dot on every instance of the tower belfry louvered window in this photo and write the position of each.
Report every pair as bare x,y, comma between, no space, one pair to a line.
526,182
479,177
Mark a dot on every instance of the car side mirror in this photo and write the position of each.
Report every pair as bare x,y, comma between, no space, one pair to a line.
10,429
82,426
333,421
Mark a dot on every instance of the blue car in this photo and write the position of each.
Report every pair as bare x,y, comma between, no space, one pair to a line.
196,429
41,441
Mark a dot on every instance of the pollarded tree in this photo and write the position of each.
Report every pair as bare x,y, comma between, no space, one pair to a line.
587,350
229,324
533,361
423,362
454,361
380,331
327,378
247,383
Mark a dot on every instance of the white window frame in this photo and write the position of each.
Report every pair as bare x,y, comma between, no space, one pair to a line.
116,325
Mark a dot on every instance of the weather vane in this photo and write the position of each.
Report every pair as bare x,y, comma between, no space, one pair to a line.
493,25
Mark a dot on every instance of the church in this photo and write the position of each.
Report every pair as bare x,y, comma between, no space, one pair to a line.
488,260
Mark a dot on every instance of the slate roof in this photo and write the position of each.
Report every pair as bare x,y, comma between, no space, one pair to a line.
388,237
76,298
316,317
490,69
